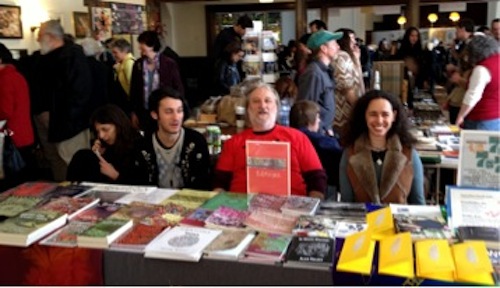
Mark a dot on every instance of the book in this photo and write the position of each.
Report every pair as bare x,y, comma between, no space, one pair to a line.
268,167
189,198
345,228
271,222
266,201
104,196
66,236
315,226
490,235
472,263
353,212
119,187
196,218
423,222
181,243
15,205
434,260
29,227
297,205
396,256
226,218
97,213
156,196
101,234
237,201
268,248
144,213
357,253
230,245
69,205
310,253
380,222
32,189
69,190
138,237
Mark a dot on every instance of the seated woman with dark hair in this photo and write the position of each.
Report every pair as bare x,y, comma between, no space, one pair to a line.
379,164
117,156
305,117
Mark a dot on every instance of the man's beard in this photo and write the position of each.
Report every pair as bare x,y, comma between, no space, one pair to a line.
45,47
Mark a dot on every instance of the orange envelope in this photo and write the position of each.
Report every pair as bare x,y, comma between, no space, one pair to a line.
434,260
381,223
357,253
396,256
472,263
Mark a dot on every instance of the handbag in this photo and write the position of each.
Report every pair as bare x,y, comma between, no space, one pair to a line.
12,160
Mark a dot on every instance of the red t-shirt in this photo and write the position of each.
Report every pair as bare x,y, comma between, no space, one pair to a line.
302,154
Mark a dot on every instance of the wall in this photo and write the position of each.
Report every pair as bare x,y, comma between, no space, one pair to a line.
35,11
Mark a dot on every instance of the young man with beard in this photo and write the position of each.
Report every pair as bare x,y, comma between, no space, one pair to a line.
179,155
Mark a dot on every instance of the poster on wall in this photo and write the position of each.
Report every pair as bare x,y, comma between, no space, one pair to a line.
82,24
101,22
479,159
127,18
10,22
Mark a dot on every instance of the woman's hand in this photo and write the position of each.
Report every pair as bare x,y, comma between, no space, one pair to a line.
98,148
107,169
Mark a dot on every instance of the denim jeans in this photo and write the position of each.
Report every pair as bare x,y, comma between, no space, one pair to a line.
490,125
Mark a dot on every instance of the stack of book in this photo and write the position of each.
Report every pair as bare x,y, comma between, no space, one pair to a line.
310,253
268,248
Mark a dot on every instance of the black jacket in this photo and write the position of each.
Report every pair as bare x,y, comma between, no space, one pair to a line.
194,160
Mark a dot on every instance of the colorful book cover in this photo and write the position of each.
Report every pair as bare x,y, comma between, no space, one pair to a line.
472,263
69,205
317,251
423,222
297,205
434,260
66,236
138,237
15,205
30,226
396,256
32,189
268,167
271,222
227,218
237,201
196,218
97,213
269,245
229,245
315,226
357,253
266,201
145,213
105,228
380,222
69,190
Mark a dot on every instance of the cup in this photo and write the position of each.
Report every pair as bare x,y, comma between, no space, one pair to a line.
240,116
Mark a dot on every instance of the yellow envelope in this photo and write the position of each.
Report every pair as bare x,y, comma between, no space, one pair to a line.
396,256
357,253
381,223
434,260
472,263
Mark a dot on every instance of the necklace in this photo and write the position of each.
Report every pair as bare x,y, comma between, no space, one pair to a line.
378,157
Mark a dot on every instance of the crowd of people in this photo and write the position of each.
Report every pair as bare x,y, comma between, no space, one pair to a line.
122,122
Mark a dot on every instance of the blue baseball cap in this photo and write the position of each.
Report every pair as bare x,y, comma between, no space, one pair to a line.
321,37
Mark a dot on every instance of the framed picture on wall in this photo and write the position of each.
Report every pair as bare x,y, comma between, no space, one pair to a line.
10,22
127,18
101,22
81,21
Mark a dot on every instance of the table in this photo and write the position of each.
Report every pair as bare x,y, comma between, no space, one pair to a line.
446,163
124,268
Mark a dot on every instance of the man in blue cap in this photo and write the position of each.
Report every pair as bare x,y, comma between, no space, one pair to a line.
316,83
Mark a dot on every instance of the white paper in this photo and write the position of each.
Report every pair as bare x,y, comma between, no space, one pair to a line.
473,207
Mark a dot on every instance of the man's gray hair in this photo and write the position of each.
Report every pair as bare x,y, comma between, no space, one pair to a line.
54,28
481,47
249,86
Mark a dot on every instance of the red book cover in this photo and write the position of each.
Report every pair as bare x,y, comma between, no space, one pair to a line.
268,167
32,189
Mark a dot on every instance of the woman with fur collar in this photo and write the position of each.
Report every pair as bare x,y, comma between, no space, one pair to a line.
379,164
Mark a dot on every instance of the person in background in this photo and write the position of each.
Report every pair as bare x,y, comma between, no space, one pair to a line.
305,117
286,58
15,109
63,110
316,82
480,107
301,57
120,95
379,164
348,75
227,69
151,72
231,34
383,51
179,154
117,154
317,25
262,103
495,29
485,30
